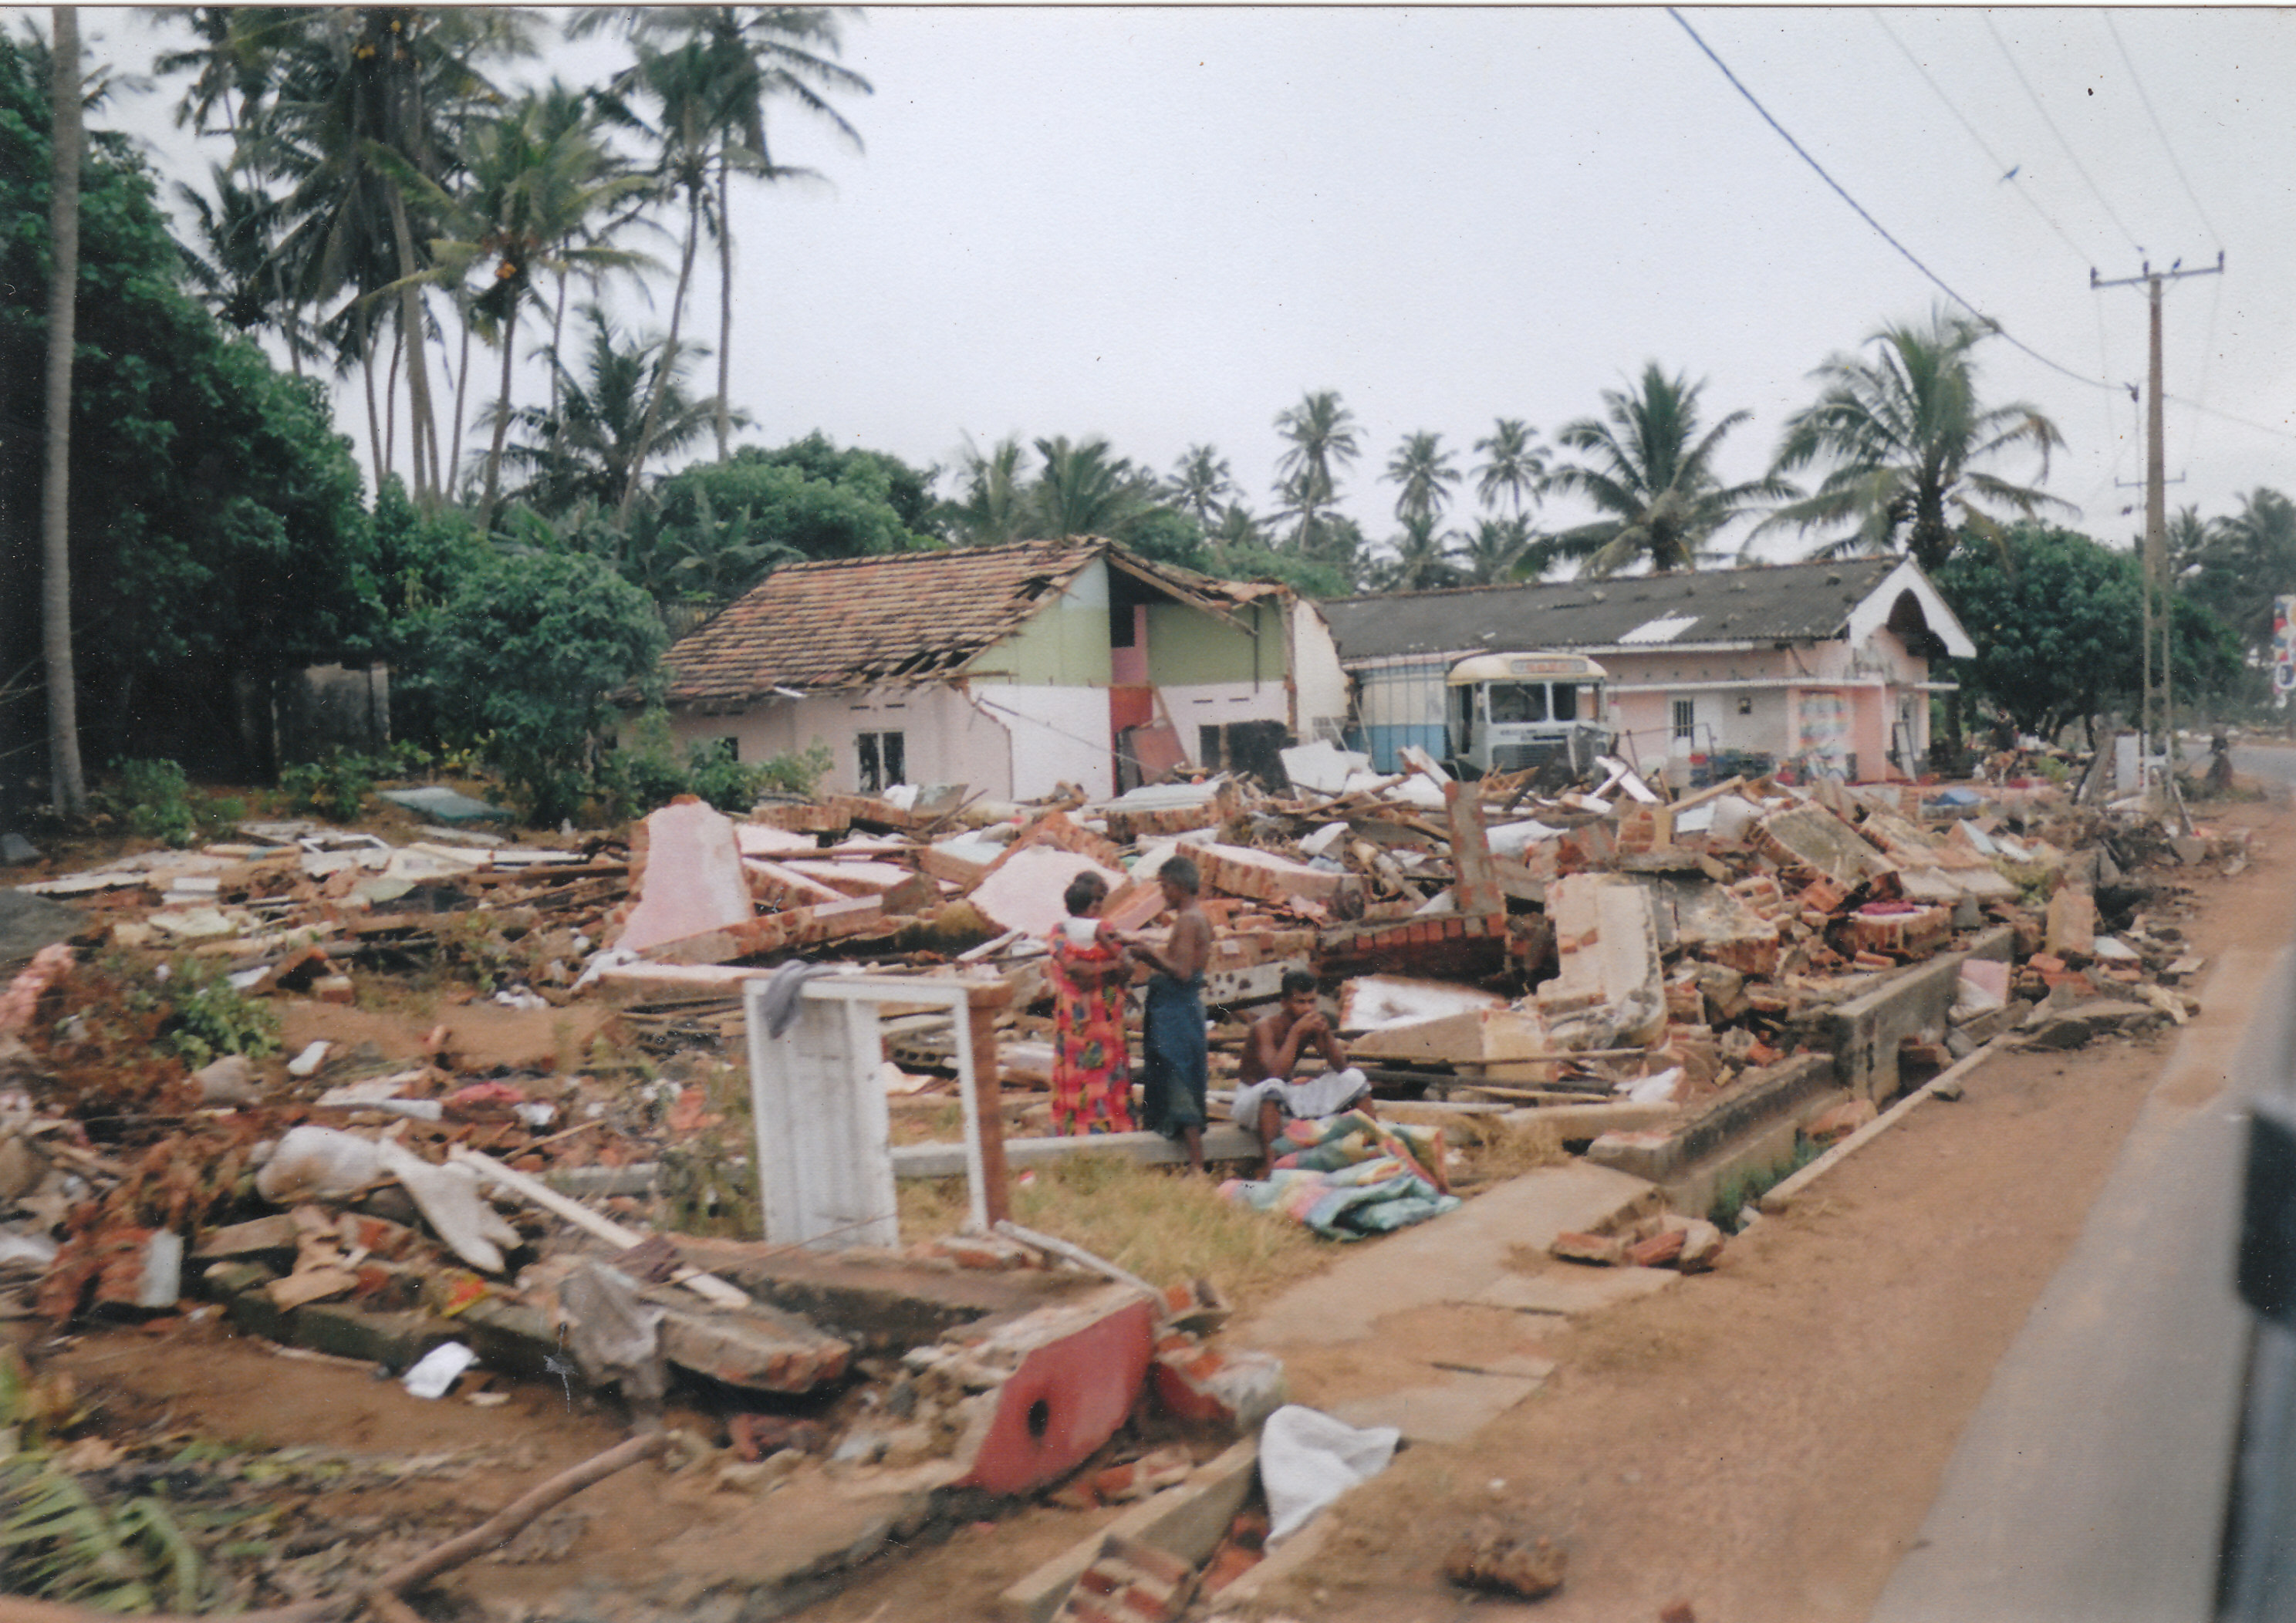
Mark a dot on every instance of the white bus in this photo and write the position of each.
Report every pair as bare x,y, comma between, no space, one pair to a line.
1506,712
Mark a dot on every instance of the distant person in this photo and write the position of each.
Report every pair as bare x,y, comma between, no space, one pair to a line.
2219,778
1266,1096
1092,1063
1175,1057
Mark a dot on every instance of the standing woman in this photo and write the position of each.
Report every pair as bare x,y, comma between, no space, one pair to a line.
1092,1068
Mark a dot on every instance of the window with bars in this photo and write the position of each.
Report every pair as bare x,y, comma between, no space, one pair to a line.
884,762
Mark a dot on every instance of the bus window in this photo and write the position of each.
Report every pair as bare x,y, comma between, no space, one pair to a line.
1513,703
1566,701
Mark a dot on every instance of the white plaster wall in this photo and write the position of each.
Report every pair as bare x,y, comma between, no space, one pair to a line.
1216,704
1055,736
944,739
1322,686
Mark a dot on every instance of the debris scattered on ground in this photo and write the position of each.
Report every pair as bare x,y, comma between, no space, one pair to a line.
1648,981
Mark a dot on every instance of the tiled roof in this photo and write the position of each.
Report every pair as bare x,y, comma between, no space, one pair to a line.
900,618
1782,602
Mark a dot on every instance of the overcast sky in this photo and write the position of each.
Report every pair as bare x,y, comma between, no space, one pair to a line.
1164,225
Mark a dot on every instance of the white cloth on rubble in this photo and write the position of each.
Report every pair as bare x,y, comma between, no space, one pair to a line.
1308,1100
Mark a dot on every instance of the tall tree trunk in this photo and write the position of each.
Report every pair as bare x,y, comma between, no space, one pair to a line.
502,417
67,788
422,436
725,300
462,389
668,367
391,409
373,420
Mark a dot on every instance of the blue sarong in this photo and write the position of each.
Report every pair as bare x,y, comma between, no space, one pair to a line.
1174,1058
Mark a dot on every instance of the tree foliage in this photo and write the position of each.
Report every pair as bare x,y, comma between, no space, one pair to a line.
2235,566
2057,619
217,534
1648,465
523,658
1905,434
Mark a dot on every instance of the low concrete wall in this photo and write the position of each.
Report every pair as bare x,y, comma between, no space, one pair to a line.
1863,1033
1753,1124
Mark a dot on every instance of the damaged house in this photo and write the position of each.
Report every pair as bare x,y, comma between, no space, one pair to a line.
1823,667
1012,670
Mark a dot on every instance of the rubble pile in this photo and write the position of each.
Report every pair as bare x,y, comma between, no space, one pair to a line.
1656,977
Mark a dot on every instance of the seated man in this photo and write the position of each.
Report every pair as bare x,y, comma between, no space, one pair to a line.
1265,1095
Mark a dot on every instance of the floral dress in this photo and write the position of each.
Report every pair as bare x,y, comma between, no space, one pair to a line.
1092,1067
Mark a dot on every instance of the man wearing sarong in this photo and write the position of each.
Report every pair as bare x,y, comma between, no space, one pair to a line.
1174,1058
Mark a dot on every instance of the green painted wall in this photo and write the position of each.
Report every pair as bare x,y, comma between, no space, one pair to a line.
1185,646
1065,646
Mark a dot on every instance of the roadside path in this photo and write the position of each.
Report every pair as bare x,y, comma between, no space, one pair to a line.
2089,1485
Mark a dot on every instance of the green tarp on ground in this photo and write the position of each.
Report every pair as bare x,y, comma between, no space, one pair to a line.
446,805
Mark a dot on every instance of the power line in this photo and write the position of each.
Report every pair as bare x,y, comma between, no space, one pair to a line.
1910,257
2034,96
2210,411
2215,236
2005,170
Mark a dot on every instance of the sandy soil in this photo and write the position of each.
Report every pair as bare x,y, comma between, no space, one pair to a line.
1761,1442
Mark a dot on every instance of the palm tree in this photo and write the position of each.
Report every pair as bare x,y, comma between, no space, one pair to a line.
2243,563
1494,549
363,99
1321,432
1084,491
581,449
536,193
1421,559
1904,432
67,784
696,107
993,507
762,53
1421,471
1200,483
236,265
1514,469
1651,471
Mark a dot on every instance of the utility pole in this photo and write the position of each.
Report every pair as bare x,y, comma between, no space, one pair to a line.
2159,612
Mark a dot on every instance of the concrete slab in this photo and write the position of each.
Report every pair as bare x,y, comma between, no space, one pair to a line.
1448,1410
1024,891
1567,1291
1452,1258
685,867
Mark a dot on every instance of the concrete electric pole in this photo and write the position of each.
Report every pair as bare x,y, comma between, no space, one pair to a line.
2160,692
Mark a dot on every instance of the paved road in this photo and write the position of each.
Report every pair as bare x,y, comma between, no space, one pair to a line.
2090,1484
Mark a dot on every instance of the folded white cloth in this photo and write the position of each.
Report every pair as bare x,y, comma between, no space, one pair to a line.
1305,1101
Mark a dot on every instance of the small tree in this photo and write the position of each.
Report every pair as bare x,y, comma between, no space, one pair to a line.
525,656
2055,617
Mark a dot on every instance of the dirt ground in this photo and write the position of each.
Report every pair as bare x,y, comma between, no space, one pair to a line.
1761,1442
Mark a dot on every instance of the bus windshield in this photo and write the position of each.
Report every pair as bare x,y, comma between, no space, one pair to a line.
1513,703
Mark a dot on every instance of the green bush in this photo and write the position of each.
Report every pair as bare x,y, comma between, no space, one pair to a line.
335,787
156,802
645,773
208,1017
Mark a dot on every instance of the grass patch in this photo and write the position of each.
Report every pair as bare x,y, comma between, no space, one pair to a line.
1165,1226
1746,1187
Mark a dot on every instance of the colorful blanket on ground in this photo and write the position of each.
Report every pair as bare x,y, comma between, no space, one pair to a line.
1350,1175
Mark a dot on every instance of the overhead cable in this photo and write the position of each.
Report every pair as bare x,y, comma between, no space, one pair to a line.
1910,257
2001,167
2216,237
2034,97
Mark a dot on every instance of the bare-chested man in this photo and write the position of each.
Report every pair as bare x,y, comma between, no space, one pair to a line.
1266,1096
1176,1059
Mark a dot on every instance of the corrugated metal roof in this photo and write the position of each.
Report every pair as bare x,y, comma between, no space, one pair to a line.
1779,602
900,618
